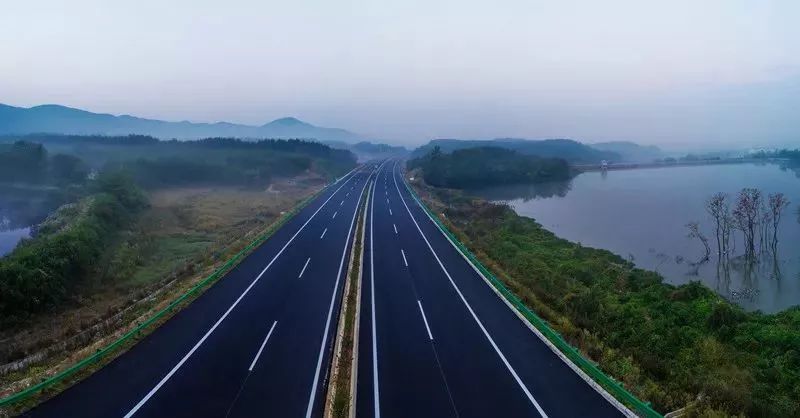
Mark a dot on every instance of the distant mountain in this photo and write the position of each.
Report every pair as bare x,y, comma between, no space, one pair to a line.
368,151
572,151
65,120
631,151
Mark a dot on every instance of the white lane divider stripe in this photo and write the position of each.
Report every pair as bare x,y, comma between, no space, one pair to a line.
404,257
322,346
424,319
469,308
390,211
304,268
395,228
376,399
341,203
258,354
334,215
323,233
225,315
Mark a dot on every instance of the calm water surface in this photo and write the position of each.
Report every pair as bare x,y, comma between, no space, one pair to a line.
641,215
20,208
10,238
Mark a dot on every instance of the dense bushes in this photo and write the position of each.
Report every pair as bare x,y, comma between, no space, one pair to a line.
669,345
486,166
39,273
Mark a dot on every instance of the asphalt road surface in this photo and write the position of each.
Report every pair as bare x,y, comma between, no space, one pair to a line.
436,340
257,343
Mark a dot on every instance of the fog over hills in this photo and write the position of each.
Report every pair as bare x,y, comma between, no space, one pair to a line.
631,151
66,120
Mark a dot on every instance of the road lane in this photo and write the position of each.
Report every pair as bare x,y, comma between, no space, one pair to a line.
491,363
230,319
405,379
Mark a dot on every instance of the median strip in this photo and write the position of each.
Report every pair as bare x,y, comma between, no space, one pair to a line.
340,398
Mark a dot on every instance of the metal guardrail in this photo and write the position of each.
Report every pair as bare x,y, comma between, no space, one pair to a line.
137,331
590,368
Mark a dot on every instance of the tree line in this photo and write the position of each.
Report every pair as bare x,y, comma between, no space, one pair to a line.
27,162
487,166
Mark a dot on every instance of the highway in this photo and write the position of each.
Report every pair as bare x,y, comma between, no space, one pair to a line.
435,340
257,343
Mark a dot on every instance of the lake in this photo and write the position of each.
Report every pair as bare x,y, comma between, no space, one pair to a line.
22,207
641,215
10,238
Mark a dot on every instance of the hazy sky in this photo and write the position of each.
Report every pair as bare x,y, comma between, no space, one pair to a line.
680,72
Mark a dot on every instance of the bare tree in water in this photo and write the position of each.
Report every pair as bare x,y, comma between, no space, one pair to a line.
694,232
717,206
764,223
746,217
777,203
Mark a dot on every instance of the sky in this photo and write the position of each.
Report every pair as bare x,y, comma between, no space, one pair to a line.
679,73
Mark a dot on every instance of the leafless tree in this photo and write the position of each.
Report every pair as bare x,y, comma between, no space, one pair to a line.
746,217
764,222
694,232
717,206
777,203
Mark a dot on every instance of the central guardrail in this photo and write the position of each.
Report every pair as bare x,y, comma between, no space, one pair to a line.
610,384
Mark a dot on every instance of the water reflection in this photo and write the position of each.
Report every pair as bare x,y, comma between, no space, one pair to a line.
642,215
20,209
526,192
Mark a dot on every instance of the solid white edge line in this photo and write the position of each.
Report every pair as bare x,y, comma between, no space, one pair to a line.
311,399
304,267
258,354
404,257
591,382
424,319
225,315
323,233
375,388
469,308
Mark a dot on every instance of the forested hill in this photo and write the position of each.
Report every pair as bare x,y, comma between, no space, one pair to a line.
572,151
487,166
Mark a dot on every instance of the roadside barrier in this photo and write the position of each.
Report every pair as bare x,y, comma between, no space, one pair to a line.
610,384
137,331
